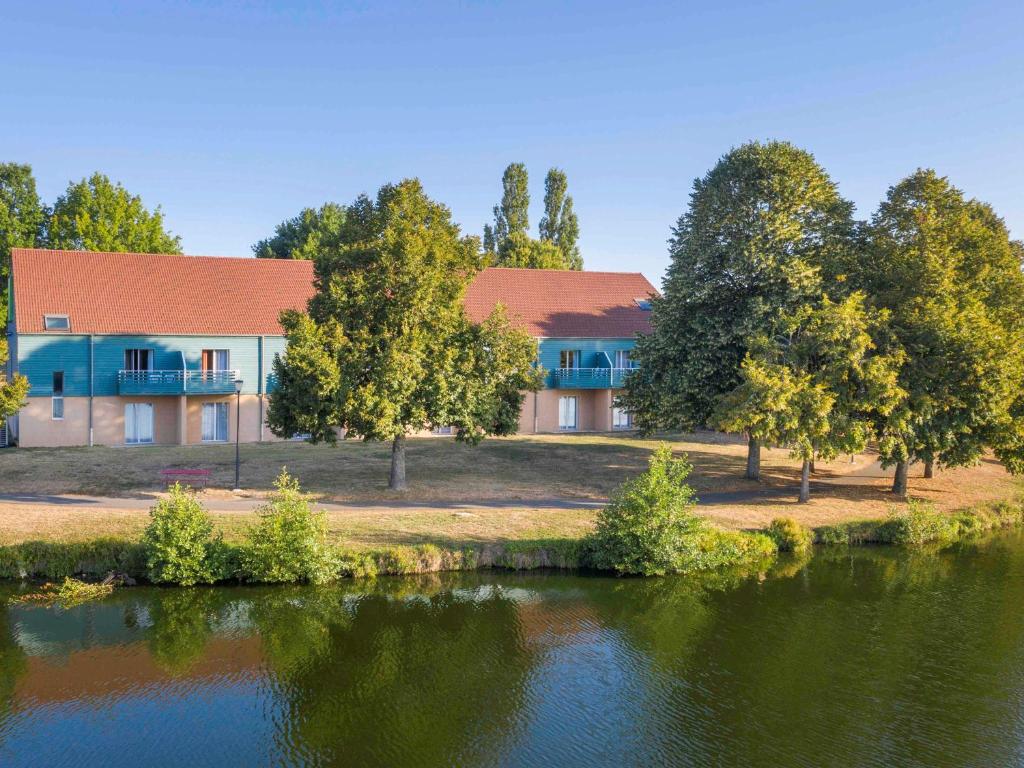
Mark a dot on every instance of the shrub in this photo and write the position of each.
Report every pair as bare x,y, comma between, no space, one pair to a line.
919,524
649,526
289,543
59,560
789,535
179,542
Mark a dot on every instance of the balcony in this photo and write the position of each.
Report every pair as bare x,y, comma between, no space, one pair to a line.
176,382
590,378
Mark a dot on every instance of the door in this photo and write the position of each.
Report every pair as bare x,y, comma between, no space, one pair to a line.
622,359
567,413
215,359
138,423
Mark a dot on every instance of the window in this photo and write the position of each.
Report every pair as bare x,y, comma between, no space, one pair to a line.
138,423
138,360
644,304
216,360
56,323
621,419
57,401
567,413
215,422
569,358
445,430
623,359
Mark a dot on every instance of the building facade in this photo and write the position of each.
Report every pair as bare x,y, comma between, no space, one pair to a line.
137,349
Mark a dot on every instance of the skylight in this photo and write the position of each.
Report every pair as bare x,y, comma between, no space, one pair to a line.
56,323
644,304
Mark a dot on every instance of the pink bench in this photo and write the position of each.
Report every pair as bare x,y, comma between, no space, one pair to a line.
194,477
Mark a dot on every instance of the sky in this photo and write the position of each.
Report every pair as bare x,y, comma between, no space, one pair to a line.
234,116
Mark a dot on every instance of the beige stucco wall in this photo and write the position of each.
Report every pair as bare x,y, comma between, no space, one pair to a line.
593,410
38,430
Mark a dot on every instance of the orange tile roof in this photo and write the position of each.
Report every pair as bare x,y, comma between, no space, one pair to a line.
156,293
144,293
552,302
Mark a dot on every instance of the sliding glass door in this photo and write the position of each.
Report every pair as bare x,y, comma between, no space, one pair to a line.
138,423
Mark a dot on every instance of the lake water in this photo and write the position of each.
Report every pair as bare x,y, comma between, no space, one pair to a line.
869,657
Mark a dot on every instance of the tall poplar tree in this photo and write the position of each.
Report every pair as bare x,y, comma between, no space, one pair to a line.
559,224
385,347
512,214
761,229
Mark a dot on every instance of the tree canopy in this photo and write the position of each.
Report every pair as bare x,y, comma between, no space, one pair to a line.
815,384
945,269
95,214
762,228
21,224
386,348
304,235
559,224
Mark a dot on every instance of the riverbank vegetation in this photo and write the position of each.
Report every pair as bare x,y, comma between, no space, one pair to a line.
651,527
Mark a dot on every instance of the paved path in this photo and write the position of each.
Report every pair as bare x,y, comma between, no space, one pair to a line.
866,475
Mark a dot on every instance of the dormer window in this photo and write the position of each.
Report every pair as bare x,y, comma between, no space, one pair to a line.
56,323
644,304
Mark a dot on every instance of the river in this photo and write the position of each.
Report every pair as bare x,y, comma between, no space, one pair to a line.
860,657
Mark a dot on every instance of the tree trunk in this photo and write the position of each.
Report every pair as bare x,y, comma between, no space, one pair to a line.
805,482
929,469
397,482
812,465
753,459
899,482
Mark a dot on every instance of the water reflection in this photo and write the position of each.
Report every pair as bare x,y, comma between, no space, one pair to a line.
860,657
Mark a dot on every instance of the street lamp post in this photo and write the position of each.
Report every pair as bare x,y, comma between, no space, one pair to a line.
238,425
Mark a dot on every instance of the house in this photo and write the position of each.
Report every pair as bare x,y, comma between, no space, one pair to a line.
130,349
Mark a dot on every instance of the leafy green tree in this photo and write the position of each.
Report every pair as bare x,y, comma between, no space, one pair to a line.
12,394
21,221
762,229
946,270
521,250
512,214
816,384
303,236
386,348
95,214
559,224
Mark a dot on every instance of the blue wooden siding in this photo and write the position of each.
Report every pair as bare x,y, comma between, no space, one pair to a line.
39,355
594,353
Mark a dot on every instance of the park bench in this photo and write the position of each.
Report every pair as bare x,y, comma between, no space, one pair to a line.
195,477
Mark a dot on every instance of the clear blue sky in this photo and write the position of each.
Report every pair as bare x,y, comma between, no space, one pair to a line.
235,116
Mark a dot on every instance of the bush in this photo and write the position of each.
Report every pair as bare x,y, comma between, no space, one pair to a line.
649,526
59,560
789,535
919,524
289,543
179,542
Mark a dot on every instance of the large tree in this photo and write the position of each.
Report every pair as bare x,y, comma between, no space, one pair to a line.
559,224
96,214
946,270
816,384
763,227
304,235
386,348
521,250
21,215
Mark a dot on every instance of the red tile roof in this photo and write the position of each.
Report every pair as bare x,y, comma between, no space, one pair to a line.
156,293
144,293
551,302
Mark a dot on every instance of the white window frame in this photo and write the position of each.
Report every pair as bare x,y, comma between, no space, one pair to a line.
65,322
216,422
621,418
623,356
134,410
563,424
57,400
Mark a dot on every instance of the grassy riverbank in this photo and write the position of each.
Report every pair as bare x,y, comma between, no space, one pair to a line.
919,526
